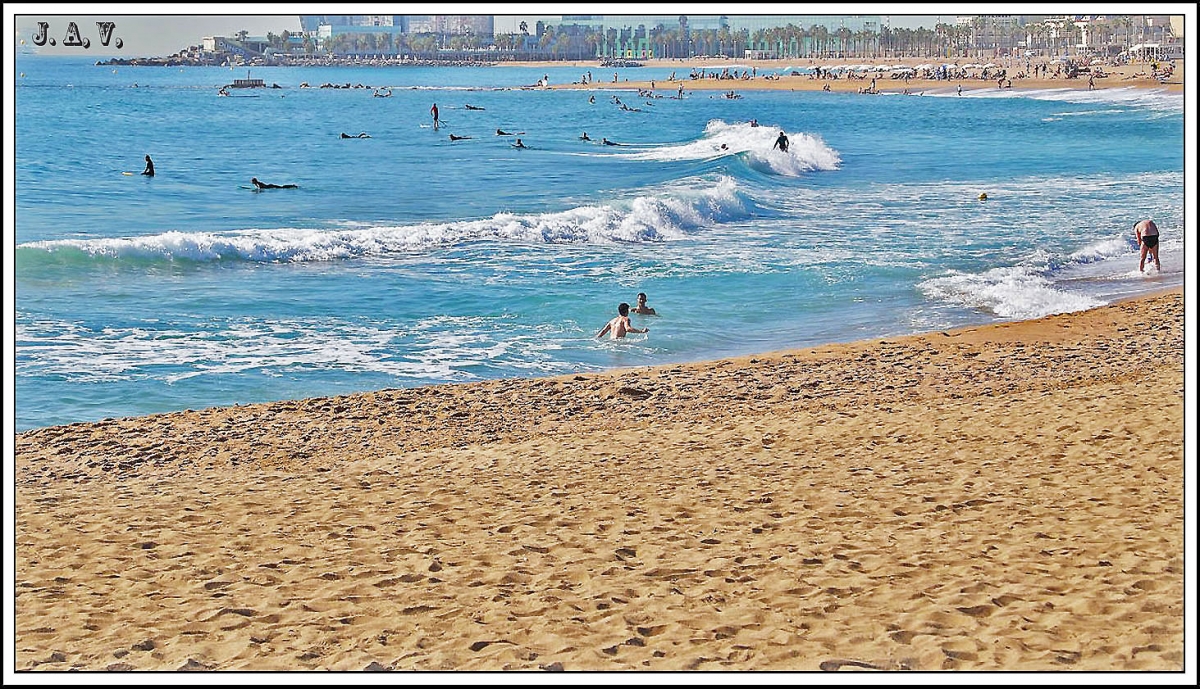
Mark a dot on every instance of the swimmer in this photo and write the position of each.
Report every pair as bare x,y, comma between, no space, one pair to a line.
642,308
620,326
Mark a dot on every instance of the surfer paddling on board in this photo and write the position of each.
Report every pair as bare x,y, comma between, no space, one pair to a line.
263,185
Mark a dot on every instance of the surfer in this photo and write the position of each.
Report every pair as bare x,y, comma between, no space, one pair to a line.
620,326
606,142
149,171
263,185
501,132
360,135
434,111
519,144
458,138
781,143
584,137
473,107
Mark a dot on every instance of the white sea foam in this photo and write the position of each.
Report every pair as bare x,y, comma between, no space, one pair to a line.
651,217
436,348
1017,292
806,153
1130,96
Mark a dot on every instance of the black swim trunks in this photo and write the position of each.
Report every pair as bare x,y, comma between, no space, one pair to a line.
1150,240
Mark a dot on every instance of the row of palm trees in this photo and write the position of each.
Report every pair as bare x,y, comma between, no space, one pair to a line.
982,37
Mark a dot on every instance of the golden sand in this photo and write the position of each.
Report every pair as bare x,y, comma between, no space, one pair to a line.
1006,497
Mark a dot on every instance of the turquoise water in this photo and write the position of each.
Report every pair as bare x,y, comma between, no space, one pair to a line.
407,259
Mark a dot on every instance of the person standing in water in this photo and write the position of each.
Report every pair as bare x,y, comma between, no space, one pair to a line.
434,111
1147,236
149,171
620,326
642,308
781,143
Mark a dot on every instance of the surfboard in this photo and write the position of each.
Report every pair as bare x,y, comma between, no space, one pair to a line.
127,173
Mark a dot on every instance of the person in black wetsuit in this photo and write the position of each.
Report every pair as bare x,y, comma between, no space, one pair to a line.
149,171
360,135
263,185
781,143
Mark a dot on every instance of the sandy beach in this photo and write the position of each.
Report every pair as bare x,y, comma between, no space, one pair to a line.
1120,76
997,498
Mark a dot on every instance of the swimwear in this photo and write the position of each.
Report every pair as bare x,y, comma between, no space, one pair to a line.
1150,240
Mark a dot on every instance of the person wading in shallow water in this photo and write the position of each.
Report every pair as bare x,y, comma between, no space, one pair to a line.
781,143
620,326
1147,236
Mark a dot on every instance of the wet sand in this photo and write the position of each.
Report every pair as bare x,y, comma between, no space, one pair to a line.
996,498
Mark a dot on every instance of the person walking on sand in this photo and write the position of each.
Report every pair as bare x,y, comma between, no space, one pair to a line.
642,308
620,326
1147,236
434,111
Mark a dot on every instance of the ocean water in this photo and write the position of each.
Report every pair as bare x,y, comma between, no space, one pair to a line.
407,259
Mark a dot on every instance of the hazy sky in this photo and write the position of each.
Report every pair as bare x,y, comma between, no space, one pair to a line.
186,24
143,35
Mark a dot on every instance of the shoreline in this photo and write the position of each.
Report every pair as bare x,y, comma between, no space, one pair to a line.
1118,76
997,497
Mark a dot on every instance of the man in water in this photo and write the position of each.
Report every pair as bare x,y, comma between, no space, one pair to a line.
360,135
642,308
1147,236
584,137
263,185
458,138
434,111
519,144
606,142
620,326
149,171
781,143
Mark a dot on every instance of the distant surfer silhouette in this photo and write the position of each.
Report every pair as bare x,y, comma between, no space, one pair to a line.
263,185
149,171
360,135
